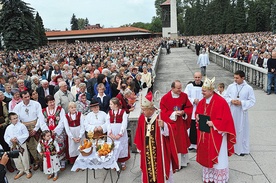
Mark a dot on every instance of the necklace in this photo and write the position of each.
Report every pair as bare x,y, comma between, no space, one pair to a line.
115,115
96,115
49,111
238,91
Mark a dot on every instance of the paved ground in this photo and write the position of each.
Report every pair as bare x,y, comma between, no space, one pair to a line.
257,167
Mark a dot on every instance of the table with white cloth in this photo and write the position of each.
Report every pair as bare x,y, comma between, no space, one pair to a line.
93,161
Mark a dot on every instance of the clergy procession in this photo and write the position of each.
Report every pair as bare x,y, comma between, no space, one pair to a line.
200,117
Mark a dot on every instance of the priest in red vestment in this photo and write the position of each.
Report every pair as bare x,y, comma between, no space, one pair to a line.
216,140
155,140
176,108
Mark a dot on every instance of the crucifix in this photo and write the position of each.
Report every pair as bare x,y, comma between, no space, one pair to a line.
148,129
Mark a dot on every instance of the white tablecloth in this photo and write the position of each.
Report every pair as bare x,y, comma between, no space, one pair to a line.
92,161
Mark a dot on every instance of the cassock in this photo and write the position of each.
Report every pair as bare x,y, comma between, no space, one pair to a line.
148,141
194,91
245,94
214,148
168,105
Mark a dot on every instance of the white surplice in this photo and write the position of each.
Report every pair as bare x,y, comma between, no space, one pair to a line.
245,94
193,92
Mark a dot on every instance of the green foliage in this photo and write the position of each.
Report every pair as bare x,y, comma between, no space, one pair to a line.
40,31
273,17
74,22
158,8
156,25
18,25
227,16
240,23
81,23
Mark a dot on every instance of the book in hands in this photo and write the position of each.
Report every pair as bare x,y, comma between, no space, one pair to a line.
203,123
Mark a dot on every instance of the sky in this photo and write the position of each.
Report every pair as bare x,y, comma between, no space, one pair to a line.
56,14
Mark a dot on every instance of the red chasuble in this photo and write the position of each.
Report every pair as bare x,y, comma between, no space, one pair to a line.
208,144
168,105
153,167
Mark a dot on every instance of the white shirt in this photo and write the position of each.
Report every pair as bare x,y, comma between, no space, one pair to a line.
31,112
67,128
93,120
19,131
101,97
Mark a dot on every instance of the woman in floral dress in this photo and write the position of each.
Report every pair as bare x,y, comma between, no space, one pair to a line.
54,118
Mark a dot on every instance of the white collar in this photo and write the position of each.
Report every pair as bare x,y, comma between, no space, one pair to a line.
174,95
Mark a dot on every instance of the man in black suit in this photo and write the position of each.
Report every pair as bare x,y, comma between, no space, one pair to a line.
47,73
69,81
44,90
91,82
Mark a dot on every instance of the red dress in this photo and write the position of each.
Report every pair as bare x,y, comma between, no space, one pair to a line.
208,144
146,159
168,105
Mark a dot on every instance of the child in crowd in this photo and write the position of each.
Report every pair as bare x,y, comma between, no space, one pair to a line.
220,89
116,128
16,135
48,148
74,129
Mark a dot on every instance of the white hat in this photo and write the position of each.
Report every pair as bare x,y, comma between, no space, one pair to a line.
209,84
147,101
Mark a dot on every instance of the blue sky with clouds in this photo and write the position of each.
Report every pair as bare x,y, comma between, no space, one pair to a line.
56,14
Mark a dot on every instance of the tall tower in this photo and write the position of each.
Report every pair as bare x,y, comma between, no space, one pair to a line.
169,19
173,19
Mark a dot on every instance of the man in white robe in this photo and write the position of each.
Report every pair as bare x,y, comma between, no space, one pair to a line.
240,97
203,61
193,90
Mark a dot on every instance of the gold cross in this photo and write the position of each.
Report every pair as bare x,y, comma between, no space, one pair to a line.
148,130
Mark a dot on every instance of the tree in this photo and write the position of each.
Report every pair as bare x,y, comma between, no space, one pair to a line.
74,23
141,25
230,20
240,23
156,24
81,23
17,25
86,22
251,20
158,8
40,31
273,17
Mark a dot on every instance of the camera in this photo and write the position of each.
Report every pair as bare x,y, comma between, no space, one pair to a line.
11,154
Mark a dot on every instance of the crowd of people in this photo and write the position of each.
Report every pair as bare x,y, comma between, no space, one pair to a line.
253,48
49,96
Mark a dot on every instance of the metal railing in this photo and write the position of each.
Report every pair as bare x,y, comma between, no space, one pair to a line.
253,74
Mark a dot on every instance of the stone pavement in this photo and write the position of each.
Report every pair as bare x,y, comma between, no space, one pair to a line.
257,167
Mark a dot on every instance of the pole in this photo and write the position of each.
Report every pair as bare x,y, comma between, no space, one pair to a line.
156,94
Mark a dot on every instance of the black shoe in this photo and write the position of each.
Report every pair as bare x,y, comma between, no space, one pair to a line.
268,93
242,154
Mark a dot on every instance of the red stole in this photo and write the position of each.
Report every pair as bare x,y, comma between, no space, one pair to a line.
73,123
169,147
168,105
208,144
